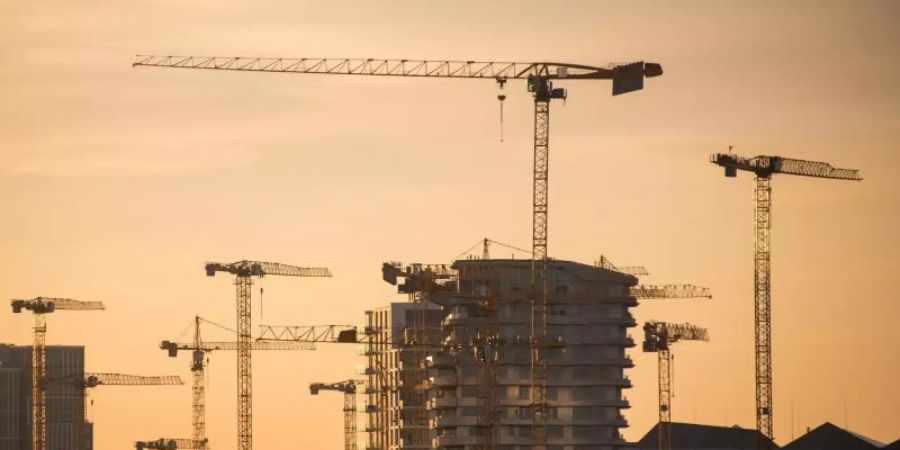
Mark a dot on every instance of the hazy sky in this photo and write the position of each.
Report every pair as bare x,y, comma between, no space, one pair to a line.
117,183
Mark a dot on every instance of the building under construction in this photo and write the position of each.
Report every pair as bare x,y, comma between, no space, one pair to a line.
395,376
478,384
67,428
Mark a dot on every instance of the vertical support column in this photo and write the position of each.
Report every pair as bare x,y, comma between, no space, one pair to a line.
350,417
762,304
244,382
665,399
419,430
371,383
539,281
198,399
39,383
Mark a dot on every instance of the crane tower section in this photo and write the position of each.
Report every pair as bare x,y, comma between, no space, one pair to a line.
244,271
764,167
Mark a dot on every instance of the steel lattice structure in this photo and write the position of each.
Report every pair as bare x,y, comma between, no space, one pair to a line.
117,379
199,349
539,75
40,306
658,336
170,444
348,388
764,167
649,291
244,271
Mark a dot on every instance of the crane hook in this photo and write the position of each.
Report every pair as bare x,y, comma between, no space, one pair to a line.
501,97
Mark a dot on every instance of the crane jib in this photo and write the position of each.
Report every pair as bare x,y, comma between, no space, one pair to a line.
627,74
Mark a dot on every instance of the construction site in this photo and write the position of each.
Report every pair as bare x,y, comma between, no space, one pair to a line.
502,347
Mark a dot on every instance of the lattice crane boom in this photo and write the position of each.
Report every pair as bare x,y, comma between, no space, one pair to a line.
244,272
174,347
540,77
407,67
652,291
170,444
118,379
658,336
262,268
764,167
40,306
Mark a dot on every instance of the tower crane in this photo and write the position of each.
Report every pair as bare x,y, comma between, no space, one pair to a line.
170,444
764,167
244,271
540,77
348,388
40,306
658,336
199,349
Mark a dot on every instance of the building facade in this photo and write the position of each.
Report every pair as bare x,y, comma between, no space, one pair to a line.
479,385
399,336
67,428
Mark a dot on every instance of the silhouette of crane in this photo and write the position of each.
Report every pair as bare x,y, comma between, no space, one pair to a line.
348,388
244,271
40,306
199,350
170,444
658,336
539,77
764,167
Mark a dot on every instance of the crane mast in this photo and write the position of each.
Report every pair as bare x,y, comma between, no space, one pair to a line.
244,272
539,75
40,306
764,167
658,336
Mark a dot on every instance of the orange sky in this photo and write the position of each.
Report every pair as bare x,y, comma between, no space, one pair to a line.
116,184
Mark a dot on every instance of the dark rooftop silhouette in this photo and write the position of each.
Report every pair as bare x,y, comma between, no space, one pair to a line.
696,436
831,437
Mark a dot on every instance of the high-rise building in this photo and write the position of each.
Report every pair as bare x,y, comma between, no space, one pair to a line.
480,389
67,428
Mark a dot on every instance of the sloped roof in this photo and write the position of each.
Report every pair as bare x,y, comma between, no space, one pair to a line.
831,437
696,436
892,446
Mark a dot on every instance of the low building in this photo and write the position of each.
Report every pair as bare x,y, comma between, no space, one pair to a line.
691,436
831,437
